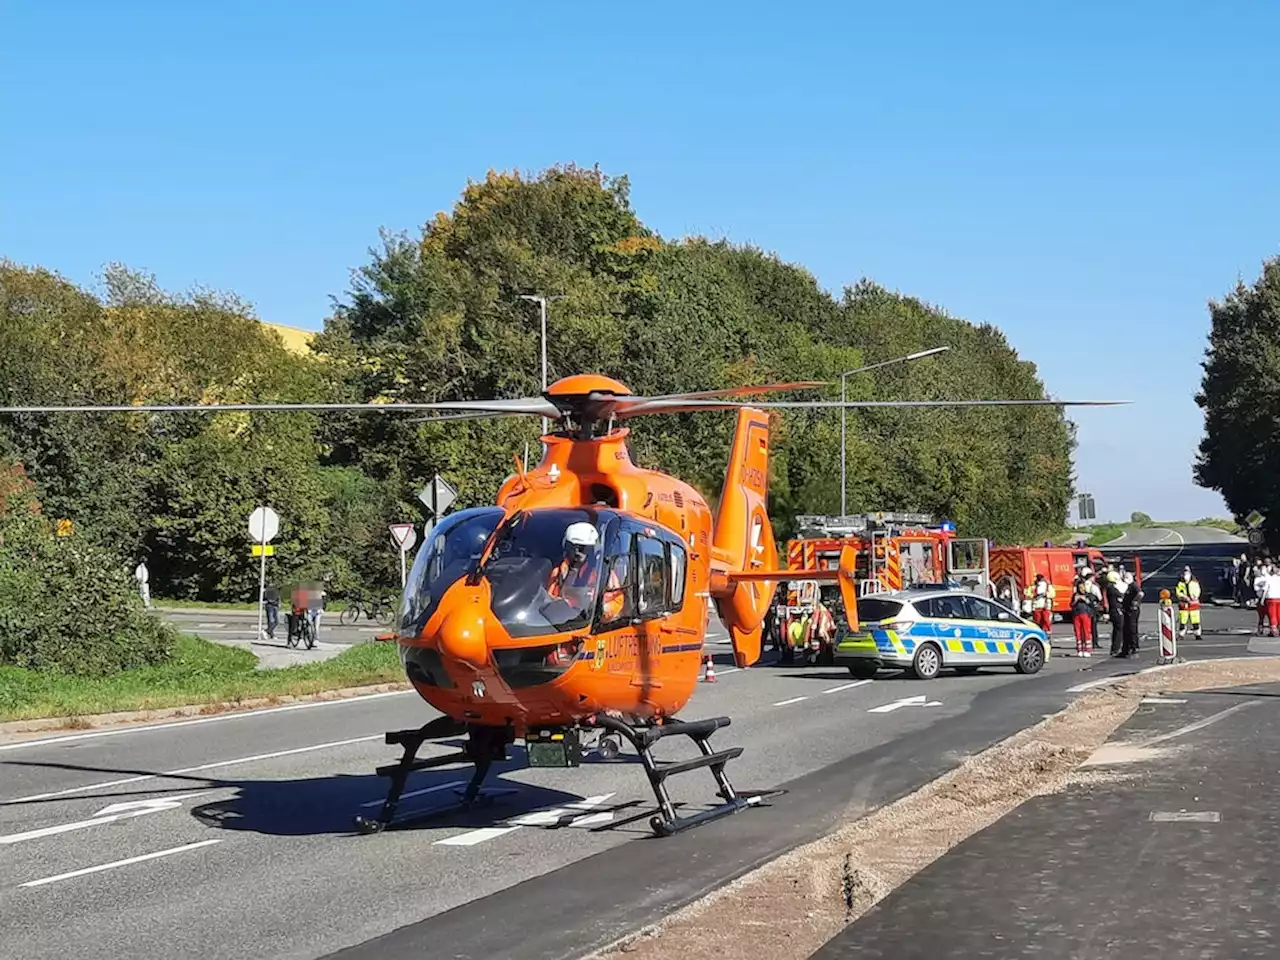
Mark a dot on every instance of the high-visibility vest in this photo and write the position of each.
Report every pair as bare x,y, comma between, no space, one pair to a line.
1041,596
1188,593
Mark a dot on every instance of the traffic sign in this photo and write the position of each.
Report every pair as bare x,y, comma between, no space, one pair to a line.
1256,539
262,550
1254,520
404,536
438,495
264,524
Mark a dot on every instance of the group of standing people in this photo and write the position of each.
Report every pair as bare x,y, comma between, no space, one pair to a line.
1118,597
1265,594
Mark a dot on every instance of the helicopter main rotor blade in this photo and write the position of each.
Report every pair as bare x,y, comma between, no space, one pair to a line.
736,391
523,406
698,406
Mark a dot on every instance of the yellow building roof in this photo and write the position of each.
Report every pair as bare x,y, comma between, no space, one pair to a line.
296,340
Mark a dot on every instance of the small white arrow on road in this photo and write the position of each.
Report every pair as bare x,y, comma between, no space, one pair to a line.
908,702
136,808
117,811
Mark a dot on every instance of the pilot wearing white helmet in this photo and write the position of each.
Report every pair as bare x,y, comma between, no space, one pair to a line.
573,578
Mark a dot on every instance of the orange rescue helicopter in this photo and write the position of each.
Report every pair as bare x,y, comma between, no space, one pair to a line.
578,603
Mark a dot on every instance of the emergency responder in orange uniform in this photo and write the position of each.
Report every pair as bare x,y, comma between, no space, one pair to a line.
574,579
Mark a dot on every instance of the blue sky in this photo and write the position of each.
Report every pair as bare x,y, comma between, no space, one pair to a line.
1084,176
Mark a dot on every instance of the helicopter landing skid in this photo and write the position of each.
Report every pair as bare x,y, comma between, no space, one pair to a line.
484,746
667,823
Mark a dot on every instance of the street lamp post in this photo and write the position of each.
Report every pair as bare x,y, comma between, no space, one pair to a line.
541,301
844,507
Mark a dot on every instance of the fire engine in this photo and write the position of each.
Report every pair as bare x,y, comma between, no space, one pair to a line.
894,550
1013,568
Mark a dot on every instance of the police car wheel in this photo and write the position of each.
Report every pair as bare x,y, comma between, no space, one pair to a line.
1030,657
864,669
927,661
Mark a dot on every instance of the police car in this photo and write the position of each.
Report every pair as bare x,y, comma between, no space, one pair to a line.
927,629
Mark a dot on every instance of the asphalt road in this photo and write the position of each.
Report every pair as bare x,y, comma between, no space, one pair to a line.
1174,536
239,628
1173,858
230,836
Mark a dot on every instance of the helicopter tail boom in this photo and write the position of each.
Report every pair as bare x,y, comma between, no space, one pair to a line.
743,541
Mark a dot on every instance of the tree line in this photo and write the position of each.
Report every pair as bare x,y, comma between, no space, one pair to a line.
437,316
1239,454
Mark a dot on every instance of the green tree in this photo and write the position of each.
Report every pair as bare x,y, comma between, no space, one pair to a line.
1240,396
439,318
66,605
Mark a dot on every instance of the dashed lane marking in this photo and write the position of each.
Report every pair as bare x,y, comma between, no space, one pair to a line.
121,863
580,813
1160,700
786,703
220,718
118,811
185,770
848,686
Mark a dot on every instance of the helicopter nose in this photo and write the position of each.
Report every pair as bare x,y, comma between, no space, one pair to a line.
462,634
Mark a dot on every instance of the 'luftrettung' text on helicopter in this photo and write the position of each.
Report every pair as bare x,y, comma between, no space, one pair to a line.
578,603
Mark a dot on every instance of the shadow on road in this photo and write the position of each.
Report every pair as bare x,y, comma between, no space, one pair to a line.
326,805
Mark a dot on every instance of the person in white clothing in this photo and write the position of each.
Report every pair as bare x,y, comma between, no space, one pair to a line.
1260,575
1272,594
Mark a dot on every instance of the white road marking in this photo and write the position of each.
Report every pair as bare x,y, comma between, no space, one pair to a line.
848,686
785,703
118,811
121,863
209,626
172,725
185,770
471,838
1199,724
1160,700
416,793
908,702
579,813
1187,816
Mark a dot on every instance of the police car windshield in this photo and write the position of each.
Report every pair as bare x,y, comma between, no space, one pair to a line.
452,551
875,609
544,571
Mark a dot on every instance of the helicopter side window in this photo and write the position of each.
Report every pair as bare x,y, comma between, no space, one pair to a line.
676,564
651,575
618,596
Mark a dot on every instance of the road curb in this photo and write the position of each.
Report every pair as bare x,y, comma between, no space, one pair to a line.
17,728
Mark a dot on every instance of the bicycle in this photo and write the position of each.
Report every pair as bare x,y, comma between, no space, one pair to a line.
301,631
382,610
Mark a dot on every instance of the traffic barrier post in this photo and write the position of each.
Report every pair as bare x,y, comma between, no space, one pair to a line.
1168,621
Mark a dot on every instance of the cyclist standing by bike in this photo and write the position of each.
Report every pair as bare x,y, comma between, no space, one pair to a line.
316,598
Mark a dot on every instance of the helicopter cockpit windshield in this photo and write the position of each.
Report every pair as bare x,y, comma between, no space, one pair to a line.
545,569
451,551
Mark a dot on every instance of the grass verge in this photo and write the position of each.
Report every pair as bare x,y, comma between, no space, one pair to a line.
200,672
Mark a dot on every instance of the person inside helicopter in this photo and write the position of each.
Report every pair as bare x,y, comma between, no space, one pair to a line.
573,579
